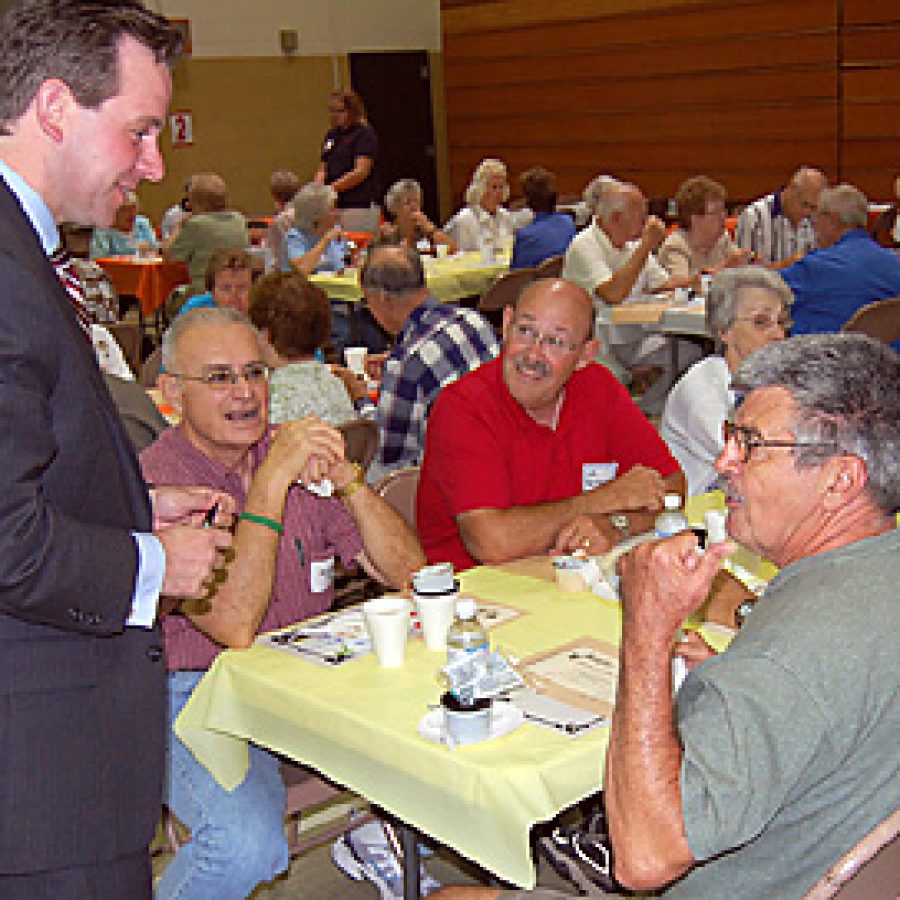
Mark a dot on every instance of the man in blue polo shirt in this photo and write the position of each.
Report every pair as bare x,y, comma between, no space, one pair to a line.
847,272
551,232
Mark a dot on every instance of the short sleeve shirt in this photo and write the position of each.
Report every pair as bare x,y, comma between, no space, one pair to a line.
339,152
316,530
482,450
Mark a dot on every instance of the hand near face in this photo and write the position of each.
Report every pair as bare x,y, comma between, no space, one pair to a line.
593,534
189,506
640,488
355,386
422,222
654,232
663,582
305,450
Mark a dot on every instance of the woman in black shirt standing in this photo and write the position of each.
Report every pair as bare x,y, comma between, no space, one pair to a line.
349,153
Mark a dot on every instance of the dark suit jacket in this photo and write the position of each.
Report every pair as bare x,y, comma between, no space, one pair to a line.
82,698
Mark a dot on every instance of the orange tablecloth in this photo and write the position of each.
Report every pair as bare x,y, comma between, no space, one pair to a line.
150,280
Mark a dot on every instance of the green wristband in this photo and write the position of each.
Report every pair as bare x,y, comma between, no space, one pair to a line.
277,527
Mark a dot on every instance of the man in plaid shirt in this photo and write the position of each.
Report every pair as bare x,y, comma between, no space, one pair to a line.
436,343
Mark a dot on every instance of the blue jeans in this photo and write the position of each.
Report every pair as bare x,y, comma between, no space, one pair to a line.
237,837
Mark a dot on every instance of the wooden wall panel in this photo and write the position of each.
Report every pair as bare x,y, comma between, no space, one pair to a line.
744,91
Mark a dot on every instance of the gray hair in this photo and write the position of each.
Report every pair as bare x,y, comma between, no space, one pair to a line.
725,295
396,274
398,190
204,315
845,390
485,169
595,191
313,201
846,202
614,198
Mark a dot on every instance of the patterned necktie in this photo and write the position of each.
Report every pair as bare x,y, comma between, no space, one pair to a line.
68,275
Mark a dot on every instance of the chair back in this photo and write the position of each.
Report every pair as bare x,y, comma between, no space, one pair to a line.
150,369
880,320
551,267
398,488
360,440
128,337
869,871
505,290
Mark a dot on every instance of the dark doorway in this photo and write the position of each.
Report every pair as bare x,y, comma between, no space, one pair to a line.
396,88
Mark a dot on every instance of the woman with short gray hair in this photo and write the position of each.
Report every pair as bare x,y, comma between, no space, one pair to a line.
747,308
315,243
484,221
409,225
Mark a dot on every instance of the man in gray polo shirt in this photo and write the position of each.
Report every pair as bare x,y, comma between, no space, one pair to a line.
780,753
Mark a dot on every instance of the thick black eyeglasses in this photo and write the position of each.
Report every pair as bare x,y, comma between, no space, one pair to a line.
224,378
748,439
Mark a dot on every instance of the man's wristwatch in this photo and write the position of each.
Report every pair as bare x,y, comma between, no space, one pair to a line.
359,480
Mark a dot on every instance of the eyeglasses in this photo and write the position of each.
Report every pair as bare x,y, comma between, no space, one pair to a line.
764,322
222,378
554,344
746,440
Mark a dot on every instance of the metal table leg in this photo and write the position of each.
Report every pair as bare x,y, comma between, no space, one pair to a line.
410,846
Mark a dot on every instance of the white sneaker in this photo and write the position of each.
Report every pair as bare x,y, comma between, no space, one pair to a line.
366,853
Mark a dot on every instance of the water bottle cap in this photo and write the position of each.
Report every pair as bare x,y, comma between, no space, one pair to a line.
465,608
672,501
436,579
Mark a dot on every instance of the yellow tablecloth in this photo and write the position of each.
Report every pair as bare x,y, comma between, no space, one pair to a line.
449,279
357,725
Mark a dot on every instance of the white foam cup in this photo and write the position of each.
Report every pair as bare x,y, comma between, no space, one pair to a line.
435,591
355,358
387,619
436,616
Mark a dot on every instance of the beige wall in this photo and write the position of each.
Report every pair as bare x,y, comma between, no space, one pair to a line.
255,110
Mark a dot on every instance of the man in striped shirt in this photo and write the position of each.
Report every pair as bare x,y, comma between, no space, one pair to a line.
777,227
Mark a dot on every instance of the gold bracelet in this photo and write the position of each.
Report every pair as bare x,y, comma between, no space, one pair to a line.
358,482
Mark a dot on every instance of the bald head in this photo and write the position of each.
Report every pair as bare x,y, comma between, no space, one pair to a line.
565,297
801,197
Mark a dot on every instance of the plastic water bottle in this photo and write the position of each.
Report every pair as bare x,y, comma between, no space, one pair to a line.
672,519
466,634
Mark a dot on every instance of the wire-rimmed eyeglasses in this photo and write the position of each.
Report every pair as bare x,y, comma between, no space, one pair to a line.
553,344
223,378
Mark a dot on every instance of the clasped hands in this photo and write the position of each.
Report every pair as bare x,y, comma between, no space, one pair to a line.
640,489
307,450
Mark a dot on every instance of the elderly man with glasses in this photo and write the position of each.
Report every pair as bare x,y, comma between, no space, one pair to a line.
538,448
780,753
284,548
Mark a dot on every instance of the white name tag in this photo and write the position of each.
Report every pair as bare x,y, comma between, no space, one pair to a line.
595,474
321,574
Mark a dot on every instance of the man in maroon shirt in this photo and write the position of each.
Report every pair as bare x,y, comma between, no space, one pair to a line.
536,449
284,549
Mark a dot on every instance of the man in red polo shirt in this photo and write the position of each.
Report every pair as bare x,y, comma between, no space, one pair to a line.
537,449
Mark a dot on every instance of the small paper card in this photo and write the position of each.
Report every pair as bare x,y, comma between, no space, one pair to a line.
329,641
492,614
584,673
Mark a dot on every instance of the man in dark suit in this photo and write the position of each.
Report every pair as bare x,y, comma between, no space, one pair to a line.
85,551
